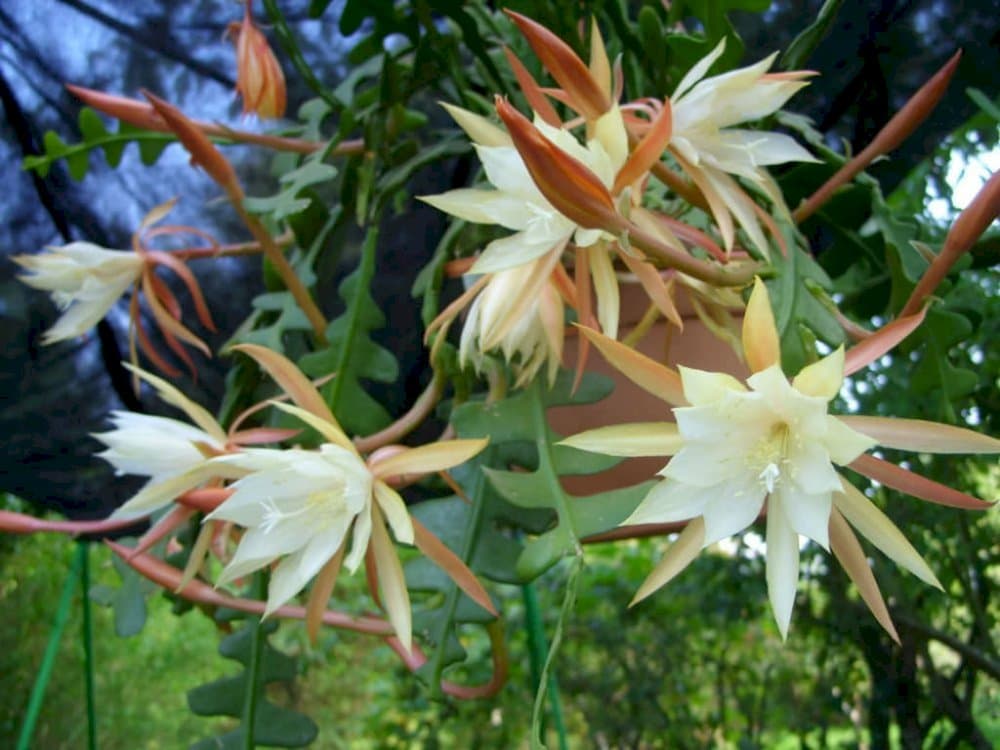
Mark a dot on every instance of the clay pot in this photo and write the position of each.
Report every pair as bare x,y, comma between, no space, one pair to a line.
694,346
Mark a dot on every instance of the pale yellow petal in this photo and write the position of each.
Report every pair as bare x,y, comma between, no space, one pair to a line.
290,378
477,127
681,553
395,511
329,430
704,388
637,439
605,289
876,527
822,378
843,443
848,551
648,374
428,458
922,436
760,334
168,393
395,597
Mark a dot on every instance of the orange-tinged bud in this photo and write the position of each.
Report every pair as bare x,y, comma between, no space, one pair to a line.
572,189
203,151
585,94
968,227
132,111
902,124
258,75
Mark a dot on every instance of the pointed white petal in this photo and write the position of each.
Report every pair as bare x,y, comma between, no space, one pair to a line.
669,501
808,514
734,506
782,566
843,443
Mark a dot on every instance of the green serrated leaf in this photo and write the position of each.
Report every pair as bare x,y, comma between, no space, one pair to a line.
809,38
295,197
353,355
796,307
273,725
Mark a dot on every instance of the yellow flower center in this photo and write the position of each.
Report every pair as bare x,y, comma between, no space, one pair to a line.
770,455
315,501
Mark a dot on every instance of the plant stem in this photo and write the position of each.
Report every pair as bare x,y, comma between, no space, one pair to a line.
252,694
409,421
49,657
83,550
674,258
277,258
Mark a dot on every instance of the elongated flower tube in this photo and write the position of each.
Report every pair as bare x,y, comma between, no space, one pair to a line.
709,149
173,454
84,280
738,449
299,507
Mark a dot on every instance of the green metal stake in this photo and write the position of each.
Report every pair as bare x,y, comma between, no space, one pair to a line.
537,653
48,658
83,552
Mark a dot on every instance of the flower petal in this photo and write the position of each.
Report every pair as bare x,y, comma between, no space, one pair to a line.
290,378
760,334
782,565
848,551
681,553
171,395
883,340
329,430
669,501
292,574
637,439
734,506
524,247
922,436
395,597
648,374
808,513
395,511
428,458
477,127
822,378
876,527
452,564
843,443
913,484
704,388
482,207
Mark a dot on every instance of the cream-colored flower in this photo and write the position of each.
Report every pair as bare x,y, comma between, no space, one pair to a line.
298,507
709,149
738,450
522,322
517,203
84,280
171,453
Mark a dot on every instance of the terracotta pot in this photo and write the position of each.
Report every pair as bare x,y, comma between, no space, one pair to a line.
694,346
